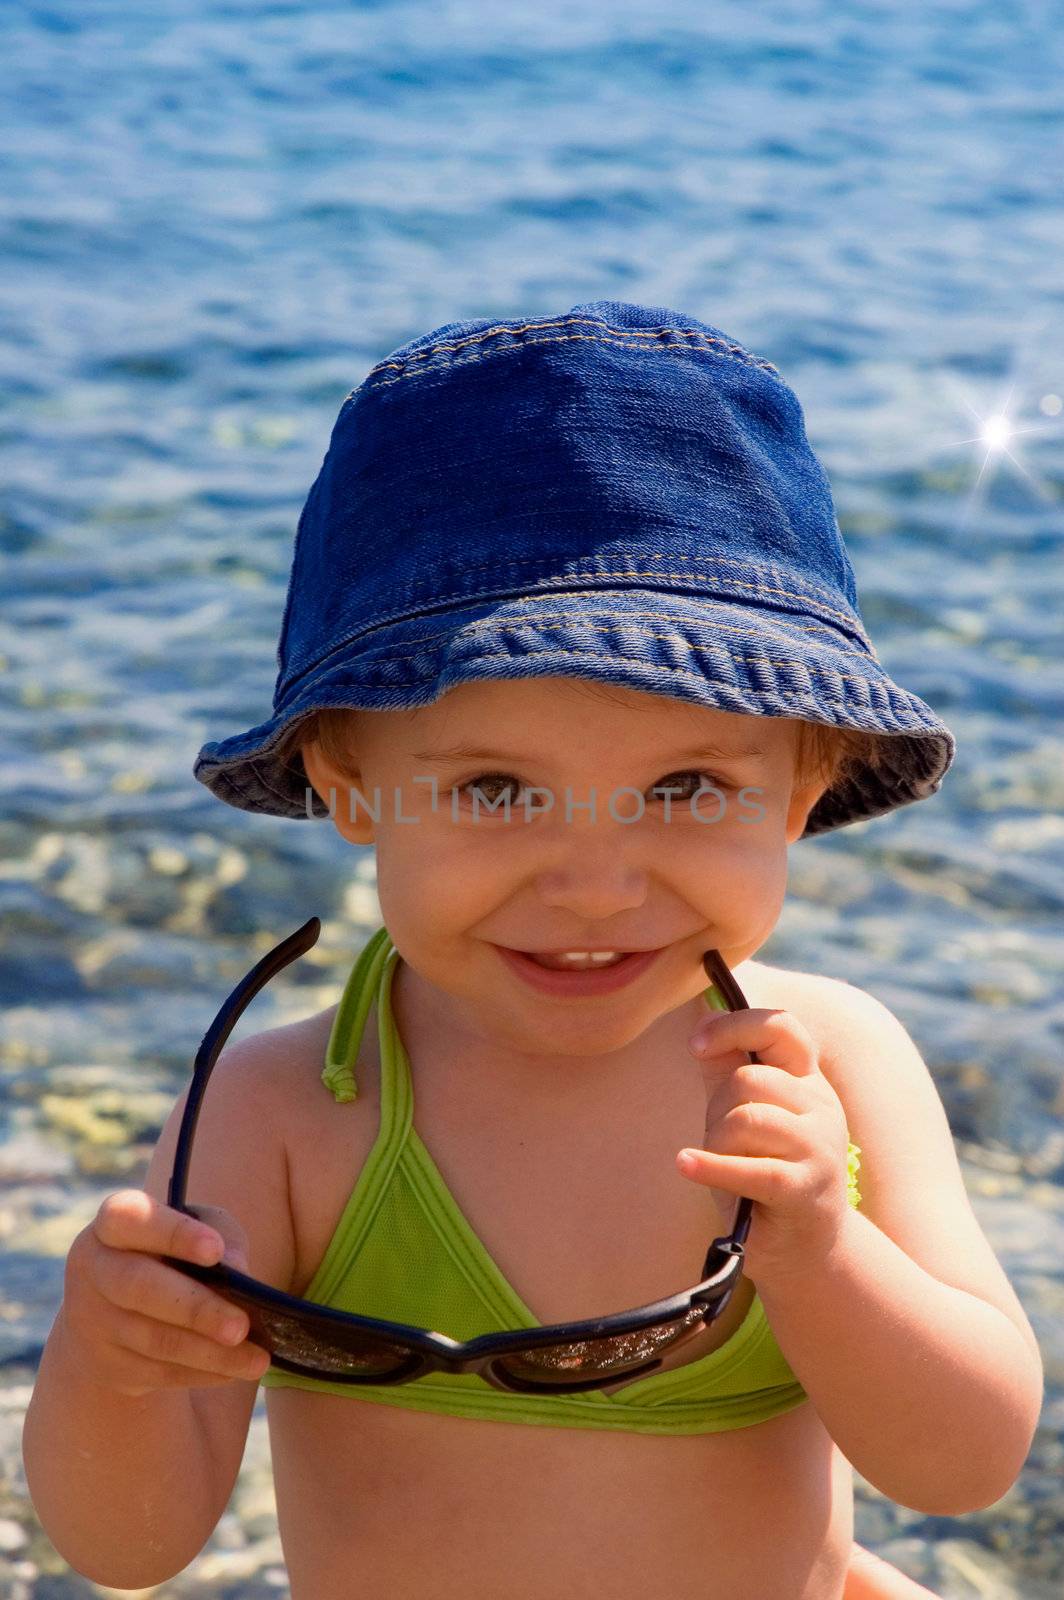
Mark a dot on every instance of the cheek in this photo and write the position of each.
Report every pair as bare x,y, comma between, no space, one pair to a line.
754,860
734,873
733,839
431,875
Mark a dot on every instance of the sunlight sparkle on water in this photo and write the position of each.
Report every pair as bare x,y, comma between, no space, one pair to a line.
995,432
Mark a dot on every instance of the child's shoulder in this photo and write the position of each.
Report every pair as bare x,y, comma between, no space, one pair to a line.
848,1026
276,1060
272,1080
813,997
288,1061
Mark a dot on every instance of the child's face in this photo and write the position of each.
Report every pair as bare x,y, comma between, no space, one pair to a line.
454,885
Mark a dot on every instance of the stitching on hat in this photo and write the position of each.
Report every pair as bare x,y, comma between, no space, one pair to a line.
766,661
563,338
816,593
758,588
321,669
563,616
706,577
487,594
246,780
256,763
569,322
635,617
763,661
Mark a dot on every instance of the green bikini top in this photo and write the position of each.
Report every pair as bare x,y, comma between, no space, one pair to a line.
403,1250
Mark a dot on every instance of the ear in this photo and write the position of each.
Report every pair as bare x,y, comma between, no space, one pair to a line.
802,802
340,792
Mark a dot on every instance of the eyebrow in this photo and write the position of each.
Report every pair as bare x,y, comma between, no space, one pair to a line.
462,752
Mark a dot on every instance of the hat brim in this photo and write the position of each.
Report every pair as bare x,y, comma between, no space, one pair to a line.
719,654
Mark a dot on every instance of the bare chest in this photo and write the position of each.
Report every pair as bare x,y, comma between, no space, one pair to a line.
377,1500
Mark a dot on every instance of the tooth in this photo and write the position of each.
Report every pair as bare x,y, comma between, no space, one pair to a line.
584,960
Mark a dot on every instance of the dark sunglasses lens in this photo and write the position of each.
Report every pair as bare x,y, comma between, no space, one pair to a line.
554,1365
314,1342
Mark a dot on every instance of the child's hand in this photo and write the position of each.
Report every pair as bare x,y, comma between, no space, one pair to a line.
141,1325
775,1131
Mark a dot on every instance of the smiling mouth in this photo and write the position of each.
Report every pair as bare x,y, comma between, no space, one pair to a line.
569,974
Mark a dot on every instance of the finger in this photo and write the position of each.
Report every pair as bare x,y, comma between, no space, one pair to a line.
758,1084
760,1178
131,1219
777,1038
176,1356
132,1281
759,1128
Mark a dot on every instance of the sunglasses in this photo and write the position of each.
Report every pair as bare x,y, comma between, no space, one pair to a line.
319,1342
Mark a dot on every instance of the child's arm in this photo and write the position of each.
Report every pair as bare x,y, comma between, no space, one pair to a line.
869,1577
121,1484
932,1393
136,1428
897,1319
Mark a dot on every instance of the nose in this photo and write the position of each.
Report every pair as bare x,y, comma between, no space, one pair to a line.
594,880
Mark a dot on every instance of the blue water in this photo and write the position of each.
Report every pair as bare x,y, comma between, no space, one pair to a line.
216,217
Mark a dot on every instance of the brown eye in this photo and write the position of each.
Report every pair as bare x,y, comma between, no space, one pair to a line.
490,790
685,785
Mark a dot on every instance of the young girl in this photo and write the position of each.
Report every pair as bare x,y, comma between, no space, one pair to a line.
573,641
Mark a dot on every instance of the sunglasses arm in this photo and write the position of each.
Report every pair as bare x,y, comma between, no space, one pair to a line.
729,1244
214,1039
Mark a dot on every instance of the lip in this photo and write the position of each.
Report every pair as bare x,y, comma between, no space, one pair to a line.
574,985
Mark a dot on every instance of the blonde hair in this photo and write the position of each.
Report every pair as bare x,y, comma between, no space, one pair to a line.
823,754
829,755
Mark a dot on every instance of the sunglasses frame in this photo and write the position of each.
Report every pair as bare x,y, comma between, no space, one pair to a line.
429,1351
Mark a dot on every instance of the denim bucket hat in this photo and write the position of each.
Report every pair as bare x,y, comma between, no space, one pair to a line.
619,493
